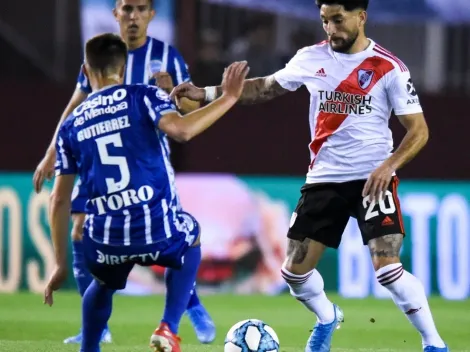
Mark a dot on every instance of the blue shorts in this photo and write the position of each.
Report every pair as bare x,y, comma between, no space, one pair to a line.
111,265
79,198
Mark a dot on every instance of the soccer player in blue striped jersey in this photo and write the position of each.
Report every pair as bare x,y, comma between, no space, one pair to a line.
149,61
114,141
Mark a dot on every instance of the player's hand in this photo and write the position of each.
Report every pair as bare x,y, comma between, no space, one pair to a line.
58,277
44,171
378,182
234,79
189,91
164,81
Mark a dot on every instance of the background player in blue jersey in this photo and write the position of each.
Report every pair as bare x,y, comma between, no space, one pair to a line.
149,61
114,142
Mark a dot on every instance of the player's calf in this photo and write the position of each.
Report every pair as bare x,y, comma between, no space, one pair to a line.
305,282
303,256
96,311
80,271
180,286
202,322
385,250
307,286
407,291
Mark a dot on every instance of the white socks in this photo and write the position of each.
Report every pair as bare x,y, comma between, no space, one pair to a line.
308,289
408,294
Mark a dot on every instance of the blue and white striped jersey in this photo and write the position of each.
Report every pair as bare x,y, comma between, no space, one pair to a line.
113,143
142,63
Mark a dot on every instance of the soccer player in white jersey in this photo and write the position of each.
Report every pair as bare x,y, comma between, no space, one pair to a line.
354,85
149,61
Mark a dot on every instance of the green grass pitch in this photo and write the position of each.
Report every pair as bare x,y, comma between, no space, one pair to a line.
27,325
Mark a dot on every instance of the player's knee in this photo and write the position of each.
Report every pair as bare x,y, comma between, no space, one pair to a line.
302,256
290,266
77,228
293,264
385,250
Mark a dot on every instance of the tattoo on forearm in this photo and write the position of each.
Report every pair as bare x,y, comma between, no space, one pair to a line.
259,90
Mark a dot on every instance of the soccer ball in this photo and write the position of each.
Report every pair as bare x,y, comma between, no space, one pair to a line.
251,335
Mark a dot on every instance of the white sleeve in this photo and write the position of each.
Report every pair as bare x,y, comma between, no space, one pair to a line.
402,94
290,77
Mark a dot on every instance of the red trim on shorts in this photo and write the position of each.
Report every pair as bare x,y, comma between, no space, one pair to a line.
395,182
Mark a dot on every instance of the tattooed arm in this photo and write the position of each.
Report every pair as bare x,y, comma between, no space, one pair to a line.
259,90
255,90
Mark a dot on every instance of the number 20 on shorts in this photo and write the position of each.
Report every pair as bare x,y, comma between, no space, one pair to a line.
385,208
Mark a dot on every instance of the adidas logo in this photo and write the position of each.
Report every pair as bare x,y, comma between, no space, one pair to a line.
387,221
320,73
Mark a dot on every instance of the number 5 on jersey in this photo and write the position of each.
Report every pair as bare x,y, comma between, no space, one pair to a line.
119,161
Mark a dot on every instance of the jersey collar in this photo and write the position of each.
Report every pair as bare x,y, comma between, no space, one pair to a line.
360,54
142,48
102,89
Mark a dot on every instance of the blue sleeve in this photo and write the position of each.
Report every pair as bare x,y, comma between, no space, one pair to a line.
178,69
82,82
66,163
156,103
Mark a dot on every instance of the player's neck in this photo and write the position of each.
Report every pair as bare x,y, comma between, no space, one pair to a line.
361,44
136,43
103,84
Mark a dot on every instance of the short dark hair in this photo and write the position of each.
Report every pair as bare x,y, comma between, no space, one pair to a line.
105,52
151,2
349,5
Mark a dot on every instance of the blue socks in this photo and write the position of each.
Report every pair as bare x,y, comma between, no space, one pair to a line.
179,284
194,299
97,300
82,276
96,310
80,271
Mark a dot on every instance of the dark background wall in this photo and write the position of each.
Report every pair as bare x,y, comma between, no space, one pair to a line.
271,138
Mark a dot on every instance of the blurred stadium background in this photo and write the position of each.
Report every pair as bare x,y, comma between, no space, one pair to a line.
241,179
